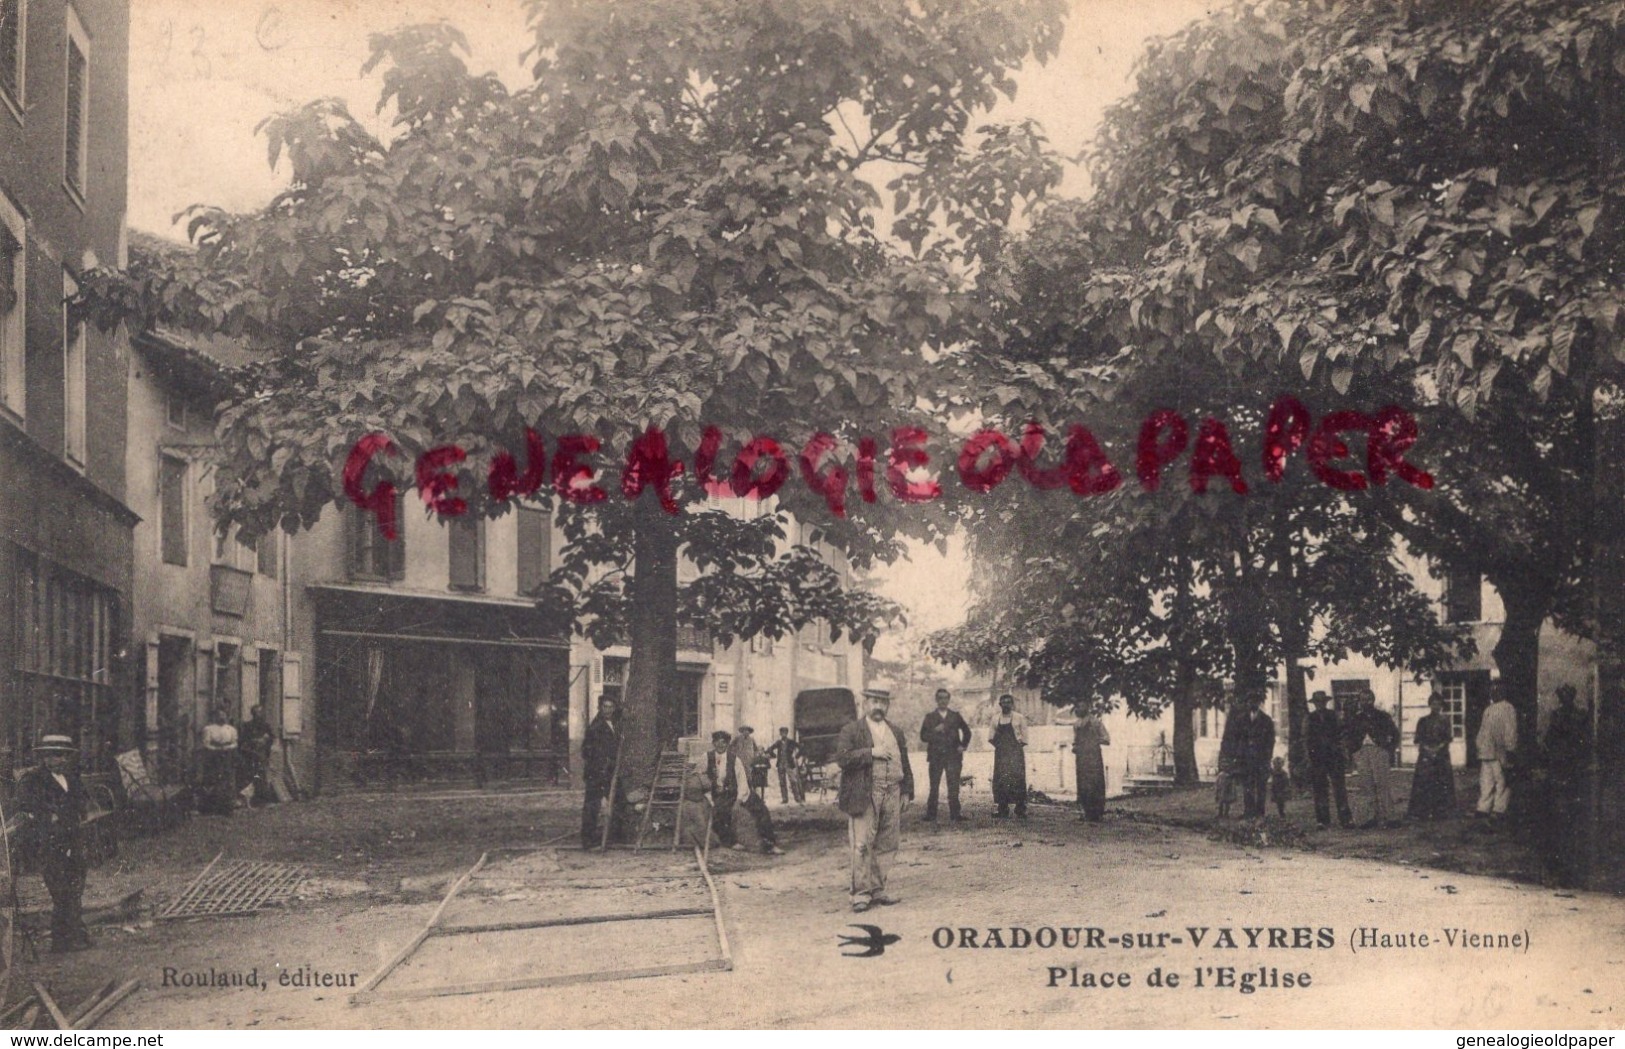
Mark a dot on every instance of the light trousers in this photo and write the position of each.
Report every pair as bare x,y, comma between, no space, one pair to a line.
1493,791
873,838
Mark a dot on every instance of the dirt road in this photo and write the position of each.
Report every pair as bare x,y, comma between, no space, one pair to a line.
1047,905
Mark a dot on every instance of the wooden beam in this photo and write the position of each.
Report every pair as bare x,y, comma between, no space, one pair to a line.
84,1007
16,1008
529,983
716,909
106,1005
588,919
417,941
57,1018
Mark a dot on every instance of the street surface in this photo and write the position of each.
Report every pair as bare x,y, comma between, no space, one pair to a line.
1561,963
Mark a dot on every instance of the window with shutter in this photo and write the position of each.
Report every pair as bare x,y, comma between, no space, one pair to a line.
1463,597
77,116
371,555
535,553
172,509
466,539
74,391
13,299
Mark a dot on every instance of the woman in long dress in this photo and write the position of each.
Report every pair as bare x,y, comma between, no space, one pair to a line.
1088,736
1009,738
1433,787
219,767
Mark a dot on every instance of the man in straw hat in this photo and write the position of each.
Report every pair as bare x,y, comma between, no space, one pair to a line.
51,812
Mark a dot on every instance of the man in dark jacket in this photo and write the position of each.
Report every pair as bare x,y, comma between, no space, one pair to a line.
598,754
876,788
1371,737
1248,745
786,755
945,736
51,812
1327,761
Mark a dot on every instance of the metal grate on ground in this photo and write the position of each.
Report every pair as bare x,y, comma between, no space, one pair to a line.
234,888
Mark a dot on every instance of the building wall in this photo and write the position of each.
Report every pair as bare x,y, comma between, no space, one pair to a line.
175,614
69,515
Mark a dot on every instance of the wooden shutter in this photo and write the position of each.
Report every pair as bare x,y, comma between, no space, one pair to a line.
293,703
535,552
77,108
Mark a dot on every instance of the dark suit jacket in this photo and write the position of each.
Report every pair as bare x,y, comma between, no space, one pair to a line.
854,752
1248,741
944,734
1374,723
52,830
598,753
1325,737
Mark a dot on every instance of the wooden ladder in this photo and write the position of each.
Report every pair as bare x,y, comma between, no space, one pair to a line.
666,796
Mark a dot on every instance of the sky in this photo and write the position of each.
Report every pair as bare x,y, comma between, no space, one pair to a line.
205,73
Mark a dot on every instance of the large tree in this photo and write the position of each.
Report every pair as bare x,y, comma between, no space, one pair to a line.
676,224
1407,202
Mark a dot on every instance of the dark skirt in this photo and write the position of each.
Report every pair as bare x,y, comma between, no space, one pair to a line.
1091,769
218,771
1433,787
1009,768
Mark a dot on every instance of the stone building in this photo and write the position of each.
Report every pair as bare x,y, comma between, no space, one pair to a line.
65,529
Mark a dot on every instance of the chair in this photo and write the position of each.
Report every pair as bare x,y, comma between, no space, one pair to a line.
151,805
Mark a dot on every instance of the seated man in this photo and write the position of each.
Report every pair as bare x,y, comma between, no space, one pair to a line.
724,774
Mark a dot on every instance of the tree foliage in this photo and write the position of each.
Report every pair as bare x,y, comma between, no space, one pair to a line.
677,222
1412,203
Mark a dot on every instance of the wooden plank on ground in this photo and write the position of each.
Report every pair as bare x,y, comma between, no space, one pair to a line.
428,928
532,982
716,909
586,919
83,1008
57,1018
107,1005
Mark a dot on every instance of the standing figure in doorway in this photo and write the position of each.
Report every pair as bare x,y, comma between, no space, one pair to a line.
945,736
51,812
1088,736
218,767
1008,734
1433,786
599,750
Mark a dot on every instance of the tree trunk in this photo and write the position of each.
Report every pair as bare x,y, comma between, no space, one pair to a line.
652,629
1517,653
1297,717
1185,771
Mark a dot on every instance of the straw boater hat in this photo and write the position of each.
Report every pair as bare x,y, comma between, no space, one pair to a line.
62,744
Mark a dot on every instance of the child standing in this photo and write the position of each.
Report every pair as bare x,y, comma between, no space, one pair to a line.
1224,787
1280,785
